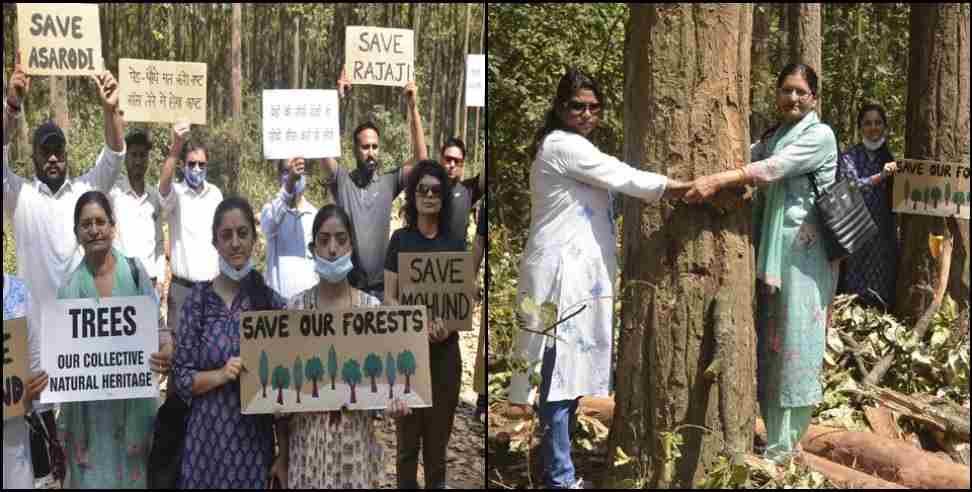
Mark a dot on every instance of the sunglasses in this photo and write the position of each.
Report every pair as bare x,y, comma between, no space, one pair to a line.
579,107
198,164
434,190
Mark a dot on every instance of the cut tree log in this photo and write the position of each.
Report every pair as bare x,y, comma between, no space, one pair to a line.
889,459
843,476
883,422
921,329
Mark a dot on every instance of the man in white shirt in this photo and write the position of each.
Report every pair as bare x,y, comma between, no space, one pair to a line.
138,209
189,208
42,210
287,223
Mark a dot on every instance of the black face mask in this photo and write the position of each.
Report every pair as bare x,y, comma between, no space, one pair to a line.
365,172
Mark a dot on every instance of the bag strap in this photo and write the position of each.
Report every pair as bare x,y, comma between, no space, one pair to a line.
135,275
813,185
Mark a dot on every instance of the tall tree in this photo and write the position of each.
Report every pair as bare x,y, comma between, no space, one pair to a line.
761,71
938,129
59,104
237,60
688,291
805,39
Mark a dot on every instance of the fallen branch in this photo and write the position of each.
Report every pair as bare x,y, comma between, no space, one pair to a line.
921,329
940,414
843,476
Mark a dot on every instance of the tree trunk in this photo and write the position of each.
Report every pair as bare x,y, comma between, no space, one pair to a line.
696,262
761,74
237,61
938,129
461,97
59,105
805,40
295,67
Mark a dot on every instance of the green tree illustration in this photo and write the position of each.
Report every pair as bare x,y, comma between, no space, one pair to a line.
927,198
406,367
916,198
298,377
372,369
948,193
351,374
281,381
332,366
936,196
960,199
314,372
264,371
907,189
390,372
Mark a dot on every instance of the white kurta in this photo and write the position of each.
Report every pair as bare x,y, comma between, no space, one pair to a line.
570,261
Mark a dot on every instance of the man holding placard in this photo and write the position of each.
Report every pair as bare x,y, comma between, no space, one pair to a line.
41,210
287,223
366,195
189,209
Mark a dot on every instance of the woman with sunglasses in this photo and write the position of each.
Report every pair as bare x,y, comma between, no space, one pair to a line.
796,282
427,231
570,262
107,443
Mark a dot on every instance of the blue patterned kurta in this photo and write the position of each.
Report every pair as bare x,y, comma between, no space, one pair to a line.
872,273
792,320
224,449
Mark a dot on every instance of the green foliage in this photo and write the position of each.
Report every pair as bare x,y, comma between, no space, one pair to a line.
390,373
281,381
936,196
351,373
314,372
406,363
264,371
332,365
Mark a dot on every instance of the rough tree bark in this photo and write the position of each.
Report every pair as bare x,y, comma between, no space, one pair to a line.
761,72
806,40
938,129
687,90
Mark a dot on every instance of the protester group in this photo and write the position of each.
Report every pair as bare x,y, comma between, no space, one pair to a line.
100,235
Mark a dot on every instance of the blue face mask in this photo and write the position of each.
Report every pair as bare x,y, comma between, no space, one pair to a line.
232,273
195,177
335,272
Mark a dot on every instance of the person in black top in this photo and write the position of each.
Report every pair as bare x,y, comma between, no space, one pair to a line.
427,231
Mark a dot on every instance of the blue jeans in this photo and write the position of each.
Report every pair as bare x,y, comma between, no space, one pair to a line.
558,420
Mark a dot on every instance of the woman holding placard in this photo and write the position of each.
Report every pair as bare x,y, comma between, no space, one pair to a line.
427,232
18,470
107,443
223,449
332,450
872,272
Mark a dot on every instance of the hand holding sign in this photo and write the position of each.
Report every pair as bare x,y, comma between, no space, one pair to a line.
343,84
36,385
398,409
107,90
890,169
19,84
411,94
232,369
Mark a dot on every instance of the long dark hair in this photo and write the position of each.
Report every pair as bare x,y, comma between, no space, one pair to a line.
421,170
253,285
867,108
92,197
357,278
572,81
808,74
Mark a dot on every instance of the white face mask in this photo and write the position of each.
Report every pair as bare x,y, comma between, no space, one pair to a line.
232,273
335,272
873,145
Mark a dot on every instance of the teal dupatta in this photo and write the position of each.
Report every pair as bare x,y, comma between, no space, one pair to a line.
771,216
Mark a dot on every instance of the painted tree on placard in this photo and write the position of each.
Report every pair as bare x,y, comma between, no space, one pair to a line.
298,377
390,372
314,372
948,193
281,381
373,369
916,198
351,374
960,199
406,367
936,196
927,198
907,189
332,366
264,371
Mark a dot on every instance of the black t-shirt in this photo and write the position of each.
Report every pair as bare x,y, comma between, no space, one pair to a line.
409,240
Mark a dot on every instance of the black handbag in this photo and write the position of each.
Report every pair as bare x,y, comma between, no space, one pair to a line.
165,459
847,223
40,442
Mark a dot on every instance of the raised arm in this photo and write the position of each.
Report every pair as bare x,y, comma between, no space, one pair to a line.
180,132
114,123
587,164
420,152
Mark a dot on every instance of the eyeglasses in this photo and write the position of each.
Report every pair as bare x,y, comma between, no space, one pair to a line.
800,93
455,161
198,164
96,223
425,190
46,154
579,107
